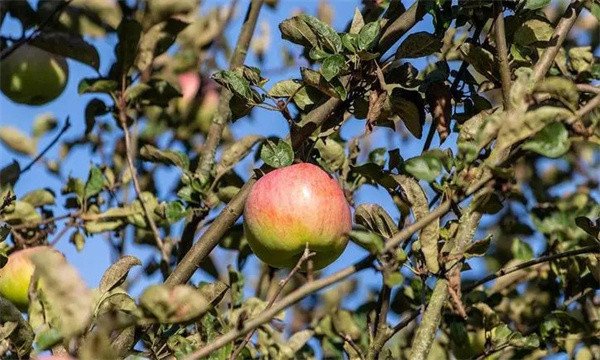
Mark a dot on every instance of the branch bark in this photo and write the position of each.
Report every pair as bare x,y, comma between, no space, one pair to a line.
560,34
401,26
430,323
223,114
502,51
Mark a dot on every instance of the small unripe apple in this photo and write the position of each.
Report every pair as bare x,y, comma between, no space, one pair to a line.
294,206
33,76
16,275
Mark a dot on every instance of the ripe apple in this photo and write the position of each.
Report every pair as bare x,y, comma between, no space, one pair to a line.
33,76
15,277
293,206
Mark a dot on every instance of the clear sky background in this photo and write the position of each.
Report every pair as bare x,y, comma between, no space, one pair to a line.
96,255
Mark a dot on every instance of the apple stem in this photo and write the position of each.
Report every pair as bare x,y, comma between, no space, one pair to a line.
306,255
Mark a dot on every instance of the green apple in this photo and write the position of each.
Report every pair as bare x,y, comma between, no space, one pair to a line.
33,76
294,206
15,277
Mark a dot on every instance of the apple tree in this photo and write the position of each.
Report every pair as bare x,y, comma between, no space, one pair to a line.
476,123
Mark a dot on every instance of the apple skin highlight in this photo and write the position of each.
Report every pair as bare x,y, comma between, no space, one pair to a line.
293,206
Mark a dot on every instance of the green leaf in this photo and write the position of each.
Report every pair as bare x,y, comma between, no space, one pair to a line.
553,141
425,167
175,211
332,154
17,141
94,108
97,85
521,250
560,88
369,35
478,248
234,82
15,329
533,31
169,157
536,4
368,240
376,219
318,54
326,35
430,234
116,274
350,42
297,31
43,123
418,45
173,304
129,33
40,197
482,60
69,45
285,88
332,66
95,182
70,299
277,153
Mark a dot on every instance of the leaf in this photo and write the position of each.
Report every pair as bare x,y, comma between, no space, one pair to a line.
117,273
369,35
65,291
425,167
297,31
419,44
68,45
234,82
94,108
39,197
536,4
158,39
350,42
375,218
22,212
129,33
368,240
517,128
21,336
478,248
285,88
332,154
236,152
173,304
481,60
9,174
553,141
95,182
581,58
316,80
77,239
326,35
587,225
521,250
277,153
429,235
151,153
17,141
97,85
357,22
410,107
560,88
175,211
43,123
533,31
332,66
213,292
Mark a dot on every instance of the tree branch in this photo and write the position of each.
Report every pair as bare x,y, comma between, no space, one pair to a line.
530,263
223,114
381,326
305,257
502,51
400,26
63,130
430,323
560,34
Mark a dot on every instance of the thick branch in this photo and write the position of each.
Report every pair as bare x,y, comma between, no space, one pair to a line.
560,34
584,250
430,323
502,51
223,114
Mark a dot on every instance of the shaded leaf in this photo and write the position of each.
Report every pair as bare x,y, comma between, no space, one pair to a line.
169,157
419,44
117,273
553,141
68,45
375,218
176,304
43,123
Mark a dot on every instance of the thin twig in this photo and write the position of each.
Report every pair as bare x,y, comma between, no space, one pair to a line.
502,51
512,269
134,179
64,129
8,200
305,256
8,51
381,326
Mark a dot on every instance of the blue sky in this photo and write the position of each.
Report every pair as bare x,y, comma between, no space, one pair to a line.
96,256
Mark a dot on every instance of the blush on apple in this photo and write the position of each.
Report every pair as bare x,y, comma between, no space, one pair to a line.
294,206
